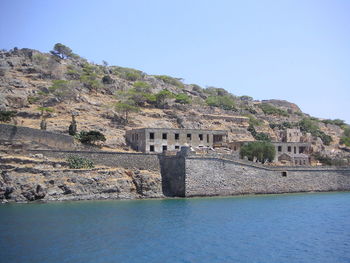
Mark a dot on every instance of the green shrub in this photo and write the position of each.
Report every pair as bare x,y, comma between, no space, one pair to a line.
271,110
128,73
246,98
76,162
223,102
254,121
310,125
6,116
326,160
197,88
170,80
282,126
337,122
213,91
261,136
262,150
345,139
182,98
91,137
141,86
32,99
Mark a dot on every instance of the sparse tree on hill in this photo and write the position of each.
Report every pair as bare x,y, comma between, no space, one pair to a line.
125,108
61,51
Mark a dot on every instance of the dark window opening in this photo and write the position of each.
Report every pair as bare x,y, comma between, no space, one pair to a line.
280,148
207,137
164,136
177,136
151,135
217,138
165,148
177,147
301,149
289,148
234,148
295,150
284,174
201,137
189,136
151,148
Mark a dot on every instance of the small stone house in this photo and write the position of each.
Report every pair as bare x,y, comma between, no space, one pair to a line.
157,140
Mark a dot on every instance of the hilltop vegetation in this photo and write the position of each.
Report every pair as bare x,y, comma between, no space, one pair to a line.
49,87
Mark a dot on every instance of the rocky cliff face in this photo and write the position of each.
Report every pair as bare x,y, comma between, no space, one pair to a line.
25,179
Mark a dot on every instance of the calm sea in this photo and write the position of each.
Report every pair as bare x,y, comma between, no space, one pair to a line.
267,228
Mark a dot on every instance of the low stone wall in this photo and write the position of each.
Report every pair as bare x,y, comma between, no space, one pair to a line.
213,176
113,159
19,133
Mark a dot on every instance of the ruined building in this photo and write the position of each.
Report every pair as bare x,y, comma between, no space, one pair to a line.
293,148
157,140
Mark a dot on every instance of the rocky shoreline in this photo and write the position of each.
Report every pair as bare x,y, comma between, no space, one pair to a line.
28,179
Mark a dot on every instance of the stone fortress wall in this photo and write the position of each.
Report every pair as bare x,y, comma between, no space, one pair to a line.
213,176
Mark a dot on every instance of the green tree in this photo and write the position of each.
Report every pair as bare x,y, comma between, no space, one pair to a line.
261,150
61,51
44,111
162,96
125,108
91,137
7,116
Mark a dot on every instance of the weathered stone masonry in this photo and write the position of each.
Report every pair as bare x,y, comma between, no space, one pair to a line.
204,176
18,133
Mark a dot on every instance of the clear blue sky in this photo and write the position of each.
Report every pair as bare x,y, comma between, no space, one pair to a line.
293,50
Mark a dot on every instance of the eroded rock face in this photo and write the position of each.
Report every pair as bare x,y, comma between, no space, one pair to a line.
25,184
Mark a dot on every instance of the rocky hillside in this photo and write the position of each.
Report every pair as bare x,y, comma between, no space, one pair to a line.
112,99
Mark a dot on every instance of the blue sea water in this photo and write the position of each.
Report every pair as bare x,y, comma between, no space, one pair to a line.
266,228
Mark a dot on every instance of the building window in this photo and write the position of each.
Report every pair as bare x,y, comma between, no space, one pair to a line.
234,148
177,136
201,137
165,148
164,136
151,135
177,147
295,150
289,148
207,138
151,148
189,136
284,174
280,148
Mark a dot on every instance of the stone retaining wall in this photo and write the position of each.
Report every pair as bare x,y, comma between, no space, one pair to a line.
19,133
114,159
